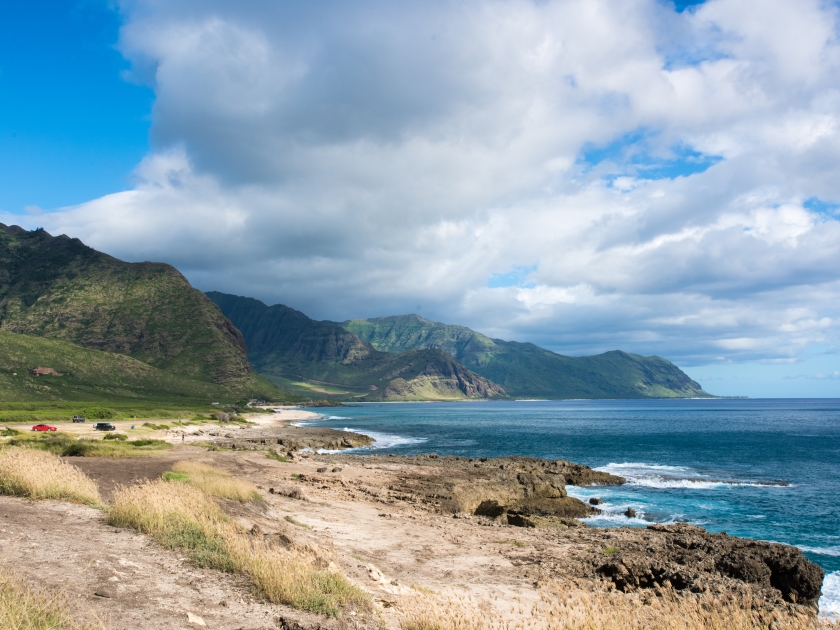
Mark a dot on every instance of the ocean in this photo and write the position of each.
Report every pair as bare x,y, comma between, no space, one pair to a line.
766,469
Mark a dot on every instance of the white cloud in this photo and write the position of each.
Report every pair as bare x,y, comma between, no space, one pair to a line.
360,159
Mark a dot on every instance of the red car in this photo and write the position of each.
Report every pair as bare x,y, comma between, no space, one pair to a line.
43,427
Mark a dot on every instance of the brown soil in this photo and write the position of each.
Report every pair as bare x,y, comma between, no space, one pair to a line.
110,473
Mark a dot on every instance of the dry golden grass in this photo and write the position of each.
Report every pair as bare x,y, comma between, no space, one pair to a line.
26,607
184,517
568,608
42,475
214,481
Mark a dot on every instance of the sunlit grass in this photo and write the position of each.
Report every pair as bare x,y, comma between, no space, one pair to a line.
214,481
24,606
41,475
566,607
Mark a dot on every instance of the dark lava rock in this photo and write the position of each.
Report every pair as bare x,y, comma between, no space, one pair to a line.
337,469
680,555
322,469
595,501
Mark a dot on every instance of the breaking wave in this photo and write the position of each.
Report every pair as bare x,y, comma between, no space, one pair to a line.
830,600
670,477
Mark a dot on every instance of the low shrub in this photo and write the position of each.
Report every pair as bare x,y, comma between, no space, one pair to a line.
9,432
156,427
271,453
66,445
122,437
41,475
99,413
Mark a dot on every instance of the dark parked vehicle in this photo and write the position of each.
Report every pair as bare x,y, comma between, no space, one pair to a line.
104,426
43,427
78,418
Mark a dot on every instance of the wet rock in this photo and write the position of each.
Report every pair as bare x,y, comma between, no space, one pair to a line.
595,501
630,513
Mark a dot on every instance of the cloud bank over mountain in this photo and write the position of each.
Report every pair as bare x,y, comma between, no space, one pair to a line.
584,174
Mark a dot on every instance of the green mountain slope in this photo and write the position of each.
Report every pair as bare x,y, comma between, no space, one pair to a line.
86,374
526,370
284,343
58,288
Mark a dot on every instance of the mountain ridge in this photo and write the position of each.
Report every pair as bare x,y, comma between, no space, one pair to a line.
57,287
525,369
282,341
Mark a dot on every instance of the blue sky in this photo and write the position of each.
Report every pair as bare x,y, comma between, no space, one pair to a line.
583,174
71,128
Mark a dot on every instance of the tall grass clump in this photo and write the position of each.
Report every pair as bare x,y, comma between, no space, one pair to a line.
42,475
566,607
26,607
214,481
178,516
182,516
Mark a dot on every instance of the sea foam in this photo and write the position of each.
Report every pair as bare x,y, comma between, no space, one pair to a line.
674,477
830,600
380,441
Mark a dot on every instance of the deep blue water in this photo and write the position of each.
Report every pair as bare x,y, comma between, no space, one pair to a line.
707,462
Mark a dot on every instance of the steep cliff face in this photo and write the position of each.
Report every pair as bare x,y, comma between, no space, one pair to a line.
526,370
284,342
59,288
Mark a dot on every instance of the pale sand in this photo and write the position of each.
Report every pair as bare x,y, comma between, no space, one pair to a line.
135,428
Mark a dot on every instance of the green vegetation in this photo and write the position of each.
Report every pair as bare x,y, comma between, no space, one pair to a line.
156,427
65,445
411,358
57,288
291,520
528,371
272,454
610,550
323,360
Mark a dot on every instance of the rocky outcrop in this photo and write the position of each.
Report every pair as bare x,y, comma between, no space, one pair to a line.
292,439
520,491
683,556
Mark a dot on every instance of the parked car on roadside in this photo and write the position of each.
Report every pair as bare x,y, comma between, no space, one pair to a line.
78,418
43,427
104,426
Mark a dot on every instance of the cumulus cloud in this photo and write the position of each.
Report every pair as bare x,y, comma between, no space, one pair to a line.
640,178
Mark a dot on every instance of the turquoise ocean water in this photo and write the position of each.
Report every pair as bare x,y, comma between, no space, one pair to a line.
766,469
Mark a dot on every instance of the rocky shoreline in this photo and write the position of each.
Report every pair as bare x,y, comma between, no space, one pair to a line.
530,493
